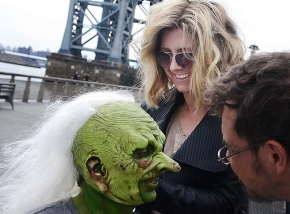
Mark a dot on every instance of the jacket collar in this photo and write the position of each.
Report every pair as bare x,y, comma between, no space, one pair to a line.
200,148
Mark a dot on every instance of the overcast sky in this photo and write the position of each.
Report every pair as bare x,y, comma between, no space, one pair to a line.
41,24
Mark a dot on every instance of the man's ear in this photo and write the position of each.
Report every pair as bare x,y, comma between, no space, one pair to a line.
98,173
278,155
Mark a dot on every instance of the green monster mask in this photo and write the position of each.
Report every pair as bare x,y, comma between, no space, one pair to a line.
118,152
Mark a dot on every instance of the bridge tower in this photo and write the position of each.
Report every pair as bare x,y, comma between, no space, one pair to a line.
104,27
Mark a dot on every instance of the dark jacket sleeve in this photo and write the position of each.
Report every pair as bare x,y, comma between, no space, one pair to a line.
225,196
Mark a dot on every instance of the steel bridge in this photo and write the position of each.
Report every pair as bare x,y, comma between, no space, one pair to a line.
103,27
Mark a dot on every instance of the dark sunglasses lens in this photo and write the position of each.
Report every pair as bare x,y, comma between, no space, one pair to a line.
184,60
163,59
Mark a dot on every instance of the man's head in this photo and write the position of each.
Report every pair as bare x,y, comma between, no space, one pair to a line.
253,99
118,153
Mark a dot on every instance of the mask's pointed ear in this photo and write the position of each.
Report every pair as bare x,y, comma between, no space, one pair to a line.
98,173
278,155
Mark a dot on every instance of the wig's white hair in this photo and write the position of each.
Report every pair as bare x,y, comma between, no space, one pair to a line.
39,170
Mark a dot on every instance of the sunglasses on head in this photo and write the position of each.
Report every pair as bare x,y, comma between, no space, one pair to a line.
184,60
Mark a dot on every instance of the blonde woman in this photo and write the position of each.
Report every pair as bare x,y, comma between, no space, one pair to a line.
184,46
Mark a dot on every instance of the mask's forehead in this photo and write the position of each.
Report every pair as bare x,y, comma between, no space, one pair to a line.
122,112
128,120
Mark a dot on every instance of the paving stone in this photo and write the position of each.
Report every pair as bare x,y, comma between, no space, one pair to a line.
17,123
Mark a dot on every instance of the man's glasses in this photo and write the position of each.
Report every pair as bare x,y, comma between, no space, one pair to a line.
184,60
226,159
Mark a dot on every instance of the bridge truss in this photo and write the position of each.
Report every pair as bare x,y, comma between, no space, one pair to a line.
103,27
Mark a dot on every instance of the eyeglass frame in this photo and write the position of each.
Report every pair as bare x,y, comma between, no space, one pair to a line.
226,157
174,56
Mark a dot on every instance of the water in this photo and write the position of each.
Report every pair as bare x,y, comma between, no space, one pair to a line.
21,69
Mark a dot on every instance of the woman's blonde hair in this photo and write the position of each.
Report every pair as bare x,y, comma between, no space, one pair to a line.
216,41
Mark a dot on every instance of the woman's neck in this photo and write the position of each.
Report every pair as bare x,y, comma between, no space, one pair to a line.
190,104
189,116
90,201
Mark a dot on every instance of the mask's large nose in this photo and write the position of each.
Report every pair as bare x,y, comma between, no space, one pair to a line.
164,163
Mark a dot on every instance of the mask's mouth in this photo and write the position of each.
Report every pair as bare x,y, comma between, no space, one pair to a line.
152,180
151,183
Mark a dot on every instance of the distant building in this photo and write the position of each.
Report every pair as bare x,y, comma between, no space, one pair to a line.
25,50
42,53
2,47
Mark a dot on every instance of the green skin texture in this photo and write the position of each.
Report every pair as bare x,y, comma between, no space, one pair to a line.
127,145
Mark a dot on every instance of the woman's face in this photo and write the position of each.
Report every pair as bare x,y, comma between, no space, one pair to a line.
172,42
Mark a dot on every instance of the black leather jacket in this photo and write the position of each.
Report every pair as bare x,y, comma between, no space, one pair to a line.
204,185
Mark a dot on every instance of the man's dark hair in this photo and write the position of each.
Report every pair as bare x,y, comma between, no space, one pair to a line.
259,89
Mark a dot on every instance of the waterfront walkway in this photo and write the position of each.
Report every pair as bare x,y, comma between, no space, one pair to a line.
18,122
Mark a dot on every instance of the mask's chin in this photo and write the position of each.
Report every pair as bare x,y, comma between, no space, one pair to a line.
147,189
130,198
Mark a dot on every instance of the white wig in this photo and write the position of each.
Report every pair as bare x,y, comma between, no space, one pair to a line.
39,170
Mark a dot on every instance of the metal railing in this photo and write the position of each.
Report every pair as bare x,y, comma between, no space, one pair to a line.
47,88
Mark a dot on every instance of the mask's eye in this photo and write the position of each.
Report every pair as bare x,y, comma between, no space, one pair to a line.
140,153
